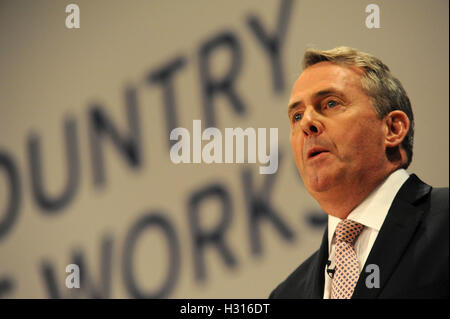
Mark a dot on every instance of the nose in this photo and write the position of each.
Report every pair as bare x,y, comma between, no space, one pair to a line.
311,123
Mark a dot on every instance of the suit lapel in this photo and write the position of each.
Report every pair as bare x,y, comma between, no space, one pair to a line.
317,271
394,236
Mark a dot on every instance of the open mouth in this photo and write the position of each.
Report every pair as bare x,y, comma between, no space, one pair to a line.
312,153
315,153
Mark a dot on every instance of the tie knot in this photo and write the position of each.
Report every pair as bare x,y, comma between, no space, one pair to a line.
348,230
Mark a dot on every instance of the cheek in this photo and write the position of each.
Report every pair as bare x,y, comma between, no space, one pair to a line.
297,147
367,144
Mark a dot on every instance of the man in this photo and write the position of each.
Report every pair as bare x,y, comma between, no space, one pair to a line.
352,133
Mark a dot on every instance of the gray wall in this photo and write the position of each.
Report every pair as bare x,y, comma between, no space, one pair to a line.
133,231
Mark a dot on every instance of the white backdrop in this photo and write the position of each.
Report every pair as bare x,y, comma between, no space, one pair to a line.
105,96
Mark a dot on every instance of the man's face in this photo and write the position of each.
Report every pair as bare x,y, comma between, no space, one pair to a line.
336,137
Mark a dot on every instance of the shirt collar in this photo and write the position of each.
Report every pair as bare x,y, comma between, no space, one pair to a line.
372,211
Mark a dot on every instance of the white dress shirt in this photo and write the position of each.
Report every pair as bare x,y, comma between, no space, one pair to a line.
371,213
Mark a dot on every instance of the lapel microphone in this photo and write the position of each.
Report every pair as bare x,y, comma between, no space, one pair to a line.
330,271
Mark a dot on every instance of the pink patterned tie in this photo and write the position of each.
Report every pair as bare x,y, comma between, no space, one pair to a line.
347,266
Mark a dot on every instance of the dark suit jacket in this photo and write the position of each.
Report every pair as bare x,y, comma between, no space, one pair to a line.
411,251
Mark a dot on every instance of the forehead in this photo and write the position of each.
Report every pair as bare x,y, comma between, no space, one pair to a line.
326,75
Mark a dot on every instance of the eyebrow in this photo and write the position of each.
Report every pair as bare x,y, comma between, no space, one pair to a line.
293,105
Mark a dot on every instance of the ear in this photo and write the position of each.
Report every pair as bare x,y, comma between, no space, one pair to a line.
396,128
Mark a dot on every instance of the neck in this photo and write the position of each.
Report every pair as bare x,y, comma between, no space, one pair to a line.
341,200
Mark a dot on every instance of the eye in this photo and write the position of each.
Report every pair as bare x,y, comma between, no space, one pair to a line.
332,103
297,117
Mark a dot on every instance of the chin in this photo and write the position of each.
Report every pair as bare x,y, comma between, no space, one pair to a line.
317,184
